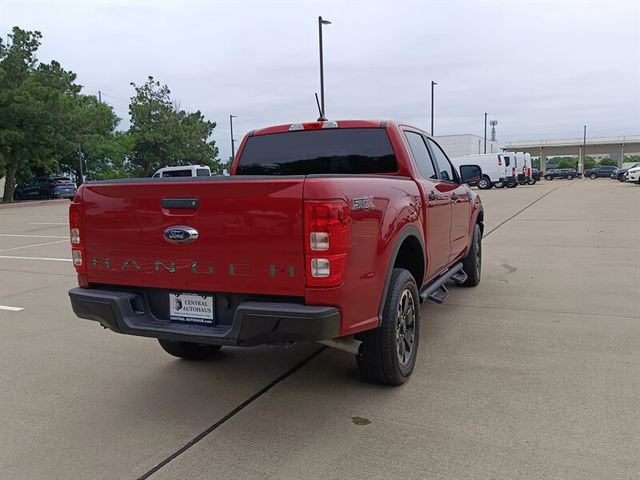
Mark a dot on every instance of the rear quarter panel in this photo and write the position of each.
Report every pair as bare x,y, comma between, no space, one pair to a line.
373,239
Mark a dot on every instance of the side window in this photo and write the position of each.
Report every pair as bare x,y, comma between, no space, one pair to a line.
444,166
421,155
202,172
507,161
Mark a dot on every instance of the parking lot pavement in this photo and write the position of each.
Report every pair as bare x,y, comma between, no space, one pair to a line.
533,374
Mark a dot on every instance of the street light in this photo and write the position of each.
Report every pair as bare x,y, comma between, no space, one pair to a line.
321,22
485,132
432,85
233,146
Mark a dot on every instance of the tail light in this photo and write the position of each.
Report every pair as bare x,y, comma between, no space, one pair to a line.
499,161
513,171
77,245
313,125
327,241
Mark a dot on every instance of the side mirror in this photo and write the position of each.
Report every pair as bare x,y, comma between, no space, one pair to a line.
470,174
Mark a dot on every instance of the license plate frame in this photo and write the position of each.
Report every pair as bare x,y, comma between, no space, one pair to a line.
192,308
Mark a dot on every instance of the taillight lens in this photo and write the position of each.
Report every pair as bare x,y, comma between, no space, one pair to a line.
77,247
327,241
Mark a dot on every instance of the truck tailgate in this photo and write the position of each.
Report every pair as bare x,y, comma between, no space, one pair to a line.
249,235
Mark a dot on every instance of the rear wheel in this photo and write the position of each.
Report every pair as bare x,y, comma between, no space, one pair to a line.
569,177
472,263
593,176
532,182
188,350
388,353
548,177
484,183
512,185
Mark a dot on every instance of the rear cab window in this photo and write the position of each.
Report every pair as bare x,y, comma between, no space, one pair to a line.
324,151
177,173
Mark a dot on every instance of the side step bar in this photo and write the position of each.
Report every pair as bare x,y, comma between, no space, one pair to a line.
436,291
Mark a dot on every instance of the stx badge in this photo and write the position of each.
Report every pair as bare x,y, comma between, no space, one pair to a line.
363,203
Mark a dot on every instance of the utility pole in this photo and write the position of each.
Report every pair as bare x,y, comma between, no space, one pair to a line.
432,85
233,146
321,22
485,132
99,96
584,150
81,169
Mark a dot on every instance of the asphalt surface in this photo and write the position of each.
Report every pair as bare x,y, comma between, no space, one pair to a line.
534,374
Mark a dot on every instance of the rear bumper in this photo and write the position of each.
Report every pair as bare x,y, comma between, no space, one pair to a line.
254,323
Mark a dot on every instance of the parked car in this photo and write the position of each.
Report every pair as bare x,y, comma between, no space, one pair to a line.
620,173
45,188
535,176
321,233
600,171
633,175
497,170
568,173
184,171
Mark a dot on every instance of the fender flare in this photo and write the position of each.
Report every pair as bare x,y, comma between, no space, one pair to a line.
406,232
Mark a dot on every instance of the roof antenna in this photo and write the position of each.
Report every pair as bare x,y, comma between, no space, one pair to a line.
321,117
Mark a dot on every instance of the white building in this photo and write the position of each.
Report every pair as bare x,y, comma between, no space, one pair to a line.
465,144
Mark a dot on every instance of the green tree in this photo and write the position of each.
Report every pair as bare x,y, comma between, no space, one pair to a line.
589,162
568,162
163,135
90,133
33,99
608,161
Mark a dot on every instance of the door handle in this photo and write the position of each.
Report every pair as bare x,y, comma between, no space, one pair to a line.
454,196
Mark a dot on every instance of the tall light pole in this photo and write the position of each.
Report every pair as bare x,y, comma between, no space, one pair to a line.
584,150
433,84
485,132
321,22
233,141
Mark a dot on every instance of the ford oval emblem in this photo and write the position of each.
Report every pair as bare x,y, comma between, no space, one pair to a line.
180,234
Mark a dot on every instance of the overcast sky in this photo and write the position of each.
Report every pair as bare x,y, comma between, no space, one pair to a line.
543,69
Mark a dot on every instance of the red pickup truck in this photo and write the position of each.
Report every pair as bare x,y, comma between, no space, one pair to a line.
324,231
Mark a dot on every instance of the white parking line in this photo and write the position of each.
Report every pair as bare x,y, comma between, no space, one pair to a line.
10,309
32,245
48,223
31,236
48,259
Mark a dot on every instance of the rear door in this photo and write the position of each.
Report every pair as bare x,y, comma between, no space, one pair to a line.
459,200
249,234
436,202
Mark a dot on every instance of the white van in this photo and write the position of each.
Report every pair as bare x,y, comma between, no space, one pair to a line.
183,171
497,170
521,167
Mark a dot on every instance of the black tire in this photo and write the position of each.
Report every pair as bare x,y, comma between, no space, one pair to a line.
548,177
593,176
384,357
621,177
472,263
569,177
188,350
512,185
484,183
532,182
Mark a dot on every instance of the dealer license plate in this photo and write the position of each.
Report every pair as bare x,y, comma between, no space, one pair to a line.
191,308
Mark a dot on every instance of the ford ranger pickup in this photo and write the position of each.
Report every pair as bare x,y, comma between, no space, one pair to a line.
331,232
